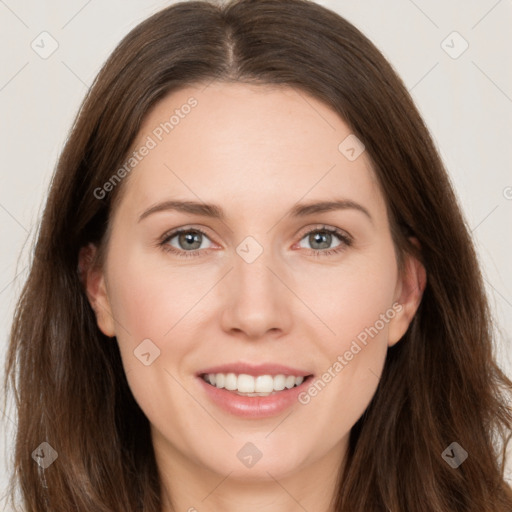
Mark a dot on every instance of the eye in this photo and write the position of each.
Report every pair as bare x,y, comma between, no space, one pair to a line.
185,242
321,240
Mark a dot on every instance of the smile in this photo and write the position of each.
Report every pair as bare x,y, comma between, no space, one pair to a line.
249,385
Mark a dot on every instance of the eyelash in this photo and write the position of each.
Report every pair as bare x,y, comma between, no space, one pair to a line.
346,241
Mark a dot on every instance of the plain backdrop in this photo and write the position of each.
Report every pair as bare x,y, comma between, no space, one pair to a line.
464,94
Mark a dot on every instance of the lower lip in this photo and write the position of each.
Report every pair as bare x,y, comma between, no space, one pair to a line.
254,406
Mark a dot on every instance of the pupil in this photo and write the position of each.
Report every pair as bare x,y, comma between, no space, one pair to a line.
191,238
317,238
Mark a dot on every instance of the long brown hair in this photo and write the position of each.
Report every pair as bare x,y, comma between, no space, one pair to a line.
441,383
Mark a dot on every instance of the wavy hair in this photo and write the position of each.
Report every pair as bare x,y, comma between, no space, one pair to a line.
440,384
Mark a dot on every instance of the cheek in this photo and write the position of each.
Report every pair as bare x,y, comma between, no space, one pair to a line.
350,298
153,302
356,302
150,299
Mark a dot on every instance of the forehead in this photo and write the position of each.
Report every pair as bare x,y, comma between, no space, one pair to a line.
248,144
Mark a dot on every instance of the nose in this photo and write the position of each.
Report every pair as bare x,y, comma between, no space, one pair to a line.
257,301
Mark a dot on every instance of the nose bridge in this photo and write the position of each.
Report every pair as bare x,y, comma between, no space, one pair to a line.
252,262
257,300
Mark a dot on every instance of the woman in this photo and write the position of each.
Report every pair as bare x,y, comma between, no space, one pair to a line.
253,287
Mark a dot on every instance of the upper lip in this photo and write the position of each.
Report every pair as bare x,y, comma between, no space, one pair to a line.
255,369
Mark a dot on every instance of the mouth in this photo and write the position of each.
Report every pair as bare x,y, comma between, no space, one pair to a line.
244,384
253,391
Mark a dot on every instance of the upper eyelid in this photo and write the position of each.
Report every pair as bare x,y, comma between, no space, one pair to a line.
324,227
174,232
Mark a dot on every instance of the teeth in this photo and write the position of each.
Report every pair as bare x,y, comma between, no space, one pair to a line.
262,385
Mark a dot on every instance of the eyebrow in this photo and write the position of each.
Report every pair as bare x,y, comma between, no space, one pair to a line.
216,212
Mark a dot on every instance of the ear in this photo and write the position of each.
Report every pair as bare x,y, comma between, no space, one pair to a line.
408,294
93,280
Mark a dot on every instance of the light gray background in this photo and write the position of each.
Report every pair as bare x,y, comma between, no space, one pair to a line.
466,102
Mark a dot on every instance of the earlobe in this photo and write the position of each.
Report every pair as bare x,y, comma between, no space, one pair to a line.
410,287
93,281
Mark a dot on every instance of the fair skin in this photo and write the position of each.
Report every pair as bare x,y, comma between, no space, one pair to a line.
256,152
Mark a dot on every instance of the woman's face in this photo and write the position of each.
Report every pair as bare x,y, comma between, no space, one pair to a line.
272,287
